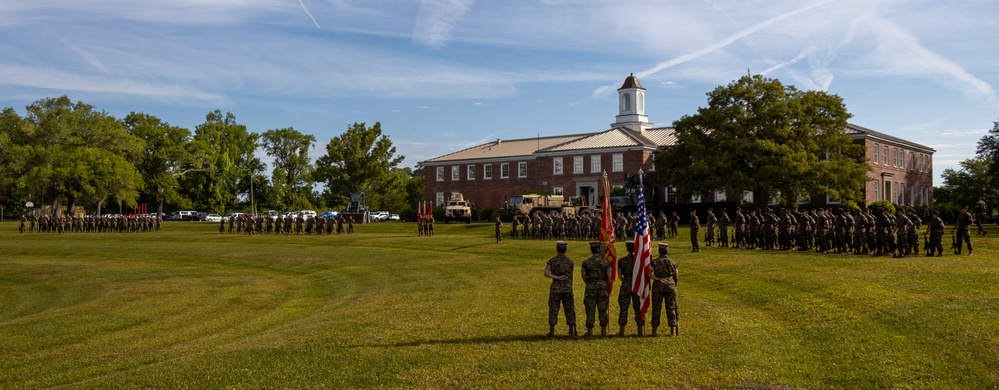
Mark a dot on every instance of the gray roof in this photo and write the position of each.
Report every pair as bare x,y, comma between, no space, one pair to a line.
858,132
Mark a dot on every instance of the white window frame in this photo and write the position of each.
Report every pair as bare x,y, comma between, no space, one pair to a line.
470,172
440,199
877,154
617,162
455,173
487,171
577,164
695,198
886,155
505,171
595,163
670,194
557,167
747,197
652,162
558,191
522,169
440,173
901,158
720,196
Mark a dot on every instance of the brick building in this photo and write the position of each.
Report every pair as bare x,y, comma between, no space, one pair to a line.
571,165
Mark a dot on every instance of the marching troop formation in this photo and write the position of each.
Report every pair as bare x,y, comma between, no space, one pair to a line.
89,224
298,224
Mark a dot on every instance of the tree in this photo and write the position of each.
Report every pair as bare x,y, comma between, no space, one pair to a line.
988,151
761,136
227,149
166,155
73,152
359,160
291,177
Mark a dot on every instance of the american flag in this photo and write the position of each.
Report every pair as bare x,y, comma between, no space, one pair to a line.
643,254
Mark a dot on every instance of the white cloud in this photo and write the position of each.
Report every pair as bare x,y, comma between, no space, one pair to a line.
436,19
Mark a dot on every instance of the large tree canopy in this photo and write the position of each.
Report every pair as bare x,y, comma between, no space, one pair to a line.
759,135
227,148
359,160
291,177
165,156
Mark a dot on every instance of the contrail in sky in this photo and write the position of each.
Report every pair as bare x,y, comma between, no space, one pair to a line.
309,13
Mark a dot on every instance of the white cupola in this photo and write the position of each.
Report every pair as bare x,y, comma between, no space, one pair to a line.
631,106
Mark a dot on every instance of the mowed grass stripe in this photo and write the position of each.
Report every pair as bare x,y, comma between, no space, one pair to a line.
188,307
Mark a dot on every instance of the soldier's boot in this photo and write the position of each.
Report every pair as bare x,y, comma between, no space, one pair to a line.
654,331
641,330
603,330
620,331
572,331
589,332
551,331
674,330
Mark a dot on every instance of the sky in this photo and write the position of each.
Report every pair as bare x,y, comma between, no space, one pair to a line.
444,75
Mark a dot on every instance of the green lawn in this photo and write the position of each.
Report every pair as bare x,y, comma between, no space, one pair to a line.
190,308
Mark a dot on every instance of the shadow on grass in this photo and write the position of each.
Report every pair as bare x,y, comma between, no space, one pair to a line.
531,338
470,246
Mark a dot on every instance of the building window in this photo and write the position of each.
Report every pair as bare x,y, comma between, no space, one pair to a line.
696,198
747,197
901,194
454,173
912,195
894,193
522,169
894,157
901,158
557,191
440,173
617,162
670,194
886,155
440,199
557,165
471,172
876,149
877,192
652,162
577,164
505,171
487,171
720,196
595,163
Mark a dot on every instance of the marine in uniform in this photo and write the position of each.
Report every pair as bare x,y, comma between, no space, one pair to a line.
664,278
964,221
559,270
625,297
596,272
695,227
936,229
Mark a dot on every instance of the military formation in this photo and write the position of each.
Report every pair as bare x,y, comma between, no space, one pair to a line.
291,224
876,232
596,273
425,224
586,226
88,224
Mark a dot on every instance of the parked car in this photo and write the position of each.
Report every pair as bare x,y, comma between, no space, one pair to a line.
330,214
181,215
233,215
393,217
199,216
378,216
212,218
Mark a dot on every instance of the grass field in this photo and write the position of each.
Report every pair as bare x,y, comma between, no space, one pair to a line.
190,308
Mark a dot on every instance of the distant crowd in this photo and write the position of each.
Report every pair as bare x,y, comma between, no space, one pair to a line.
298,224
89,224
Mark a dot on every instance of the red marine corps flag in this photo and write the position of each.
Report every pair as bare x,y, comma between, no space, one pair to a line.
607,234
643,254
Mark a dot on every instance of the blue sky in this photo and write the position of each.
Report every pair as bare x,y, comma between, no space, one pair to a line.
442,75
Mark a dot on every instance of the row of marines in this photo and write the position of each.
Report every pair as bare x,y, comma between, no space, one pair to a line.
870,231
564,226
300,224
596,273
89,224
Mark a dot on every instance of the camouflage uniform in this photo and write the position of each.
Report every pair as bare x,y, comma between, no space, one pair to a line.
595,272
936,227
560,292
664,292
964,221
625,268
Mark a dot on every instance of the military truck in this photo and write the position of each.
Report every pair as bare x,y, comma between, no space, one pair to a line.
528,204
457,209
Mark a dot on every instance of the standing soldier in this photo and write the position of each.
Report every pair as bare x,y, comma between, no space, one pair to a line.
513,227
695,227
20,228
559,270
625,267
674,225
664,278
499,230
221,225
723,222
661,226
596,271
964,221
902,225
936,229
981,213
709,235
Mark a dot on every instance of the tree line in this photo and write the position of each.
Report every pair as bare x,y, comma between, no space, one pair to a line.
67,154
977,176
